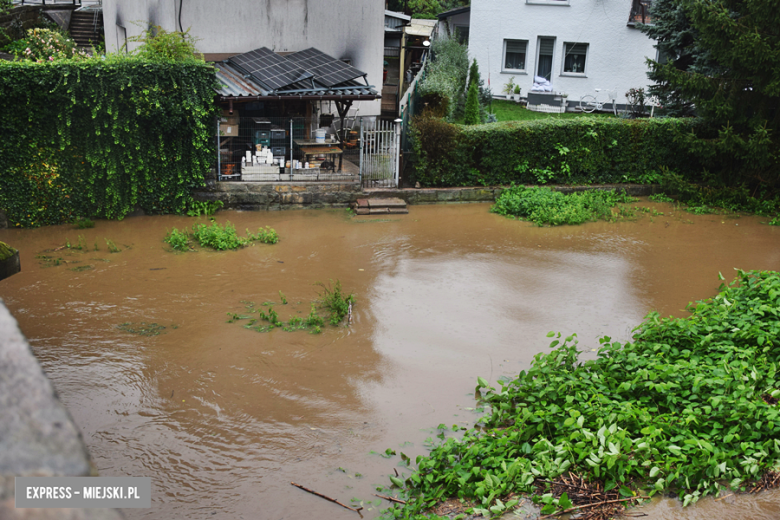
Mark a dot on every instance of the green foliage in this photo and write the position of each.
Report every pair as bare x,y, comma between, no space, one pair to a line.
702,198
332,300
445,77
600,150
178,240
736,93
219,237
84,223
471,116
208,208
102,137
157,44
112,247
541,205
6,251
687,408
46,45
335,302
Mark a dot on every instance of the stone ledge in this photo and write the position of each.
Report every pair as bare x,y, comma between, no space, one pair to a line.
37,435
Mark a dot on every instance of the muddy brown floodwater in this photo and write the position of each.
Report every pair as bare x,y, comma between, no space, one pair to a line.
223,418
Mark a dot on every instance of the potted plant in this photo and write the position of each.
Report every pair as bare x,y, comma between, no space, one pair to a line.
516,97
509,88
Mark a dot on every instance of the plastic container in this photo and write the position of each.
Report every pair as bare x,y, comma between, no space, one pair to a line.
319,135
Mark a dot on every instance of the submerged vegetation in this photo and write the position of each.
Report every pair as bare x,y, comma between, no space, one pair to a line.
6,251
218,237
689,408
332,300
542,205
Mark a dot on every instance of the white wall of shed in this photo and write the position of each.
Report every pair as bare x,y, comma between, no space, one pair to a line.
351,29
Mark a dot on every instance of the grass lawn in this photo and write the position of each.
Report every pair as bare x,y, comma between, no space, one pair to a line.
511,111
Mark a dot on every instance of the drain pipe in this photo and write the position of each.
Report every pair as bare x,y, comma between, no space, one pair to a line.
219,155
292,164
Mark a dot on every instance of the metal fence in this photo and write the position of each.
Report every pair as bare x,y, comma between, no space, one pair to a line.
379,154
410,106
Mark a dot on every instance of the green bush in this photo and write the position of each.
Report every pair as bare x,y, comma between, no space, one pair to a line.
445,77
579,150
103,137
218,237
689,408
541,205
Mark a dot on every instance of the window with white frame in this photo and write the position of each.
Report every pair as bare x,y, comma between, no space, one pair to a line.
574,58
514,54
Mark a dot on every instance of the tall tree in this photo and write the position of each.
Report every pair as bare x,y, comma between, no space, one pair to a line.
725,60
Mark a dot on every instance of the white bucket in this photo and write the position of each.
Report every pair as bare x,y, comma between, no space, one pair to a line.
319,135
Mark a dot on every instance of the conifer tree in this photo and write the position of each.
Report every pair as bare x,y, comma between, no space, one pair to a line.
726,62
471,116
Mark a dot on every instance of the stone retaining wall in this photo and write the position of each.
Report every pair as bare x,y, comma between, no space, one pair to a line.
262,196
37,435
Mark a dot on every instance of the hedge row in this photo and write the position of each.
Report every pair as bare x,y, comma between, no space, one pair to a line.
98,138
579,150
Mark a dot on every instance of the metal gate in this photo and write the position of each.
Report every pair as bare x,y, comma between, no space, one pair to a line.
379,154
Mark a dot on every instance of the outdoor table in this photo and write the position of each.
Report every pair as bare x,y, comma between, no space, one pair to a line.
311,147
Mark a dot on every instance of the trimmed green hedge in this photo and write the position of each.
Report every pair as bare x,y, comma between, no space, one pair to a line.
100,137
560,151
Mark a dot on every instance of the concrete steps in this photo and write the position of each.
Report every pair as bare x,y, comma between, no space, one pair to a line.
383,206
83,29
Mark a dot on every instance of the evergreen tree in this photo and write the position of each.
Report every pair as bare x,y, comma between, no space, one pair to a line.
726,61
471,115
677,44
474,74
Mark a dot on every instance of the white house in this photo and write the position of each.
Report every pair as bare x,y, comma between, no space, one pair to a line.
350,30
577,45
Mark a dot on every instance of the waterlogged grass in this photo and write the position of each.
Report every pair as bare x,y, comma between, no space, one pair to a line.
332,300
142,328
543,206
218,237
335,302
689,408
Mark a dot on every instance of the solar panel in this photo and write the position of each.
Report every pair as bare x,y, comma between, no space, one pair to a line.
268,68
327,70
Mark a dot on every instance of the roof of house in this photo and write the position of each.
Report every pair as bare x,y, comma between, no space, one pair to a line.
396,14
308,74
453,12
420,27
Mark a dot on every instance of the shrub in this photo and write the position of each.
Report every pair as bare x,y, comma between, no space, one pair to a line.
46,45
471,116
688,407
446,74
582,150
178,240
542,205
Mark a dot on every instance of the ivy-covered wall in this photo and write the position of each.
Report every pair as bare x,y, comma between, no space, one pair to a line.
581,150
98,138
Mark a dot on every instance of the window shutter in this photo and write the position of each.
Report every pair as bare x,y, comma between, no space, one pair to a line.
576,48
515,46
546,46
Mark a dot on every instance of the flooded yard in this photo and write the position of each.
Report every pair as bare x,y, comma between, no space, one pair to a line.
223,418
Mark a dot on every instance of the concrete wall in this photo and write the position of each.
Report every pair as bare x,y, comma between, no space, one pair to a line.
37,435
351,29
616,53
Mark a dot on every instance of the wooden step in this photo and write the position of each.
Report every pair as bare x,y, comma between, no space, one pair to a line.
381,206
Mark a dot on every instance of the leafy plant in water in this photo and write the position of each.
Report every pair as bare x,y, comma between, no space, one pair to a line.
208,208
689,407
112,247
542,205
84,223
336,303
178,240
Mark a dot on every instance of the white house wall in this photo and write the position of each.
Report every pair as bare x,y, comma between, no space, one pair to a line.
616,53
351,29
